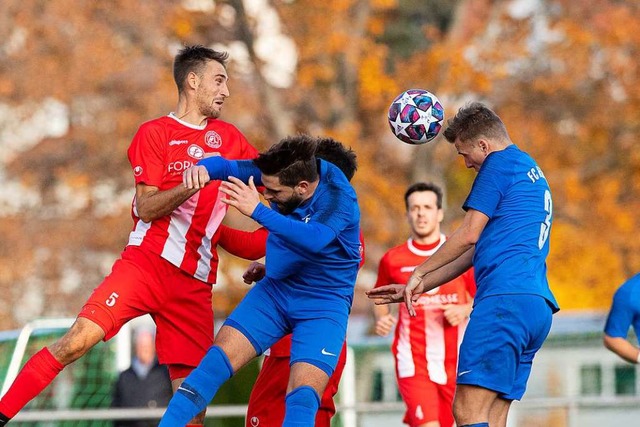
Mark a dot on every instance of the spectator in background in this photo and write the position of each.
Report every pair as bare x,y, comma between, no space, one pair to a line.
624,313
145,384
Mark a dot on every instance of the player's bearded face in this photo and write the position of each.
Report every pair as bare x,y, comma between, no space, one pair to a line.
286,198
212,90
291,204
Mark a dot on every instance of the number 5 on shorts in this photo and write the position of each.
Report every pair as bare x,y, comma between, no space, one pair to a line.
111,301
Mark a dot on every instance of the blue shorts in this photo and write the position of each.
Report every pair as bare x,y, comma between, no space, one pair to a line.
502,337
317,322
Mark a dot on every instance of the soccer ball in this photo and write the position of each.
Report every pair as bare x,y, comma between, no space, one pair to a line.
416,116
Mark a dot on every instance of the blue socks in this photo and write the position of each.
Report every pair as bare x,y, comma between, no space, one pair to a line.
301,407
198,389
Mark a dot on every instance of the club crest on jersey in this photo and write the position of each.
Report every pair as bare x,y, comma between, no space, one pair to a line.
137,171
195,151
212,139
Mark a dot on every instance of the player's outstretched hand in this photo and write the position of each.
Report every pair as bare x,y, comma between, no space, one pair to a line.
243,197
387,294
195,177
412,291
255,272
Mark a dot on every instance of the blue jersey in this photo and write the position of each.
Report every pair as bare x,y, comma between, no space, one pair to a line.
510,255
317,246
319,249
625,310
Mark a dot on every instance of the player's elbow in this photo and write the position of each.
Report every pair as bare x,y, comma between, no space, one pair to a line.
144,215
609,342
468,237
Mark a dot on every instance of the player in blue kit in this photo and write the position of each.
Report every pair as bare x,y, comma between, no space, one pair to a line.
312,258
624,313
505,237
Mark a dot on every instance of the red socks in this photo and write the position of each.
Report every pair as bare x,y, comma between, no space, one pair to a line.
34,377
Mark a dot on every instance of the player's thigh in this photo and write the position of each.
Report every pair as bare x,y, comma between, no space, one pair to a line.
259,318
420,396
319,339
538,316
497,339
125,293
266,402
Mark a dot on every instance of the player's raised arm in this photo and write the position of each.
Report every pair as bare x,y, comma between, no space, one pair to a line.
244,244
219,168
312,236
420,282
622,316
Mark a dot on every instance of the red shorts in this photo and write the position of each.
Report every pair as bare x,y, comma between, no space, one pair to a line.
144,283
427,401
266,403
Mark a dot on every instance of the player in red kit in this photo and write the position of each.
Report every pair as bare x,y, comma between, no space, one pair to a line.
267,400
170,263
425,347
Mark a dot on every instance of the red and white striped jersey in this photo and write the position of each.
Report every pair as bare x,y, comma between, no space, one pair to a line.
160,152
426,342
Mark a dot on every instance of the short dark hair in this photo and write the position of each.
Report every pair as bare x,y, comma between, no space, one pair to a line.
194,58
292,160
335,152
474,120
424,186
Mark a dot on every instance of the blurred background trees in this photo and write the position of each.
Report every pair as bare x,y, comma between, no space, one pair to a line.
78,77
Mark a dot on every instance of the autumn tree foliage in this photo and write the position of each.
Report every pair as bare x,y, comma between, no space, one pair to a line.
78,78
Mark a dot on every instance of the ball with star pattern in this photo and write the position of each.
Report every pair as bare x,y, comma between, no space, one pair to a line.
416,116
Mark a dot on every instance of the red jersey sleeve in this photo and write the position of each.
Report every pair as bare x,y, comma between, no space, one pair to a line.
470,282
384,275
146,155
244,244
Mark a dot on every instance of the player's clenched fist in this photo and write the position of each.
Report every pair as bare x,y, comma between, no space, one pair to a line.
195,177
255,272
385,324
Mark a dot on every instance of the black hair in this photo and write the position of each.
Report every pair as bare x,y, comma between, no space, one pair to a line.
292,160
424,186
335,152
194,58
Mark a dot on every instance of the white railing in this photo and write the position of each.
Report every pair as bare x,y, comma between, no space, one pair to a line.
574,411
572,407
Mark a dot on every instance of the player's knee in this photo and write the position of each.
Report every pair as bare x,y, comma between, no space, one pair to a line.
459,410
76,343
